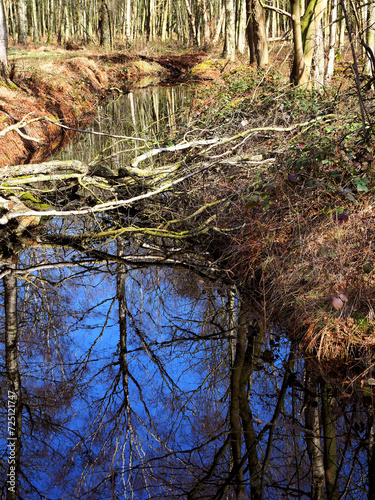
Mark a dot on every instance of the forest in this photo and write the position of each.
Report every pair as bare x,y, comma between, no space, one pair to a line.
186,259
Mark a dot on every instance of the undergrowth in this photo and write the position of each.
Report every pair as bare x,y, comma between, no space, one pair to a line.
305,221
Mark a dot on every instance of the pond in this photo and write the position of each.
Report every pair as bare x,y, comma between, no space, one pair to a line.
162,381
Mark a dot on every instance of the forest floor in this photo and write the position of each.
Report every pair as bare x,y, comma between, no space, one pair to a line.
49,84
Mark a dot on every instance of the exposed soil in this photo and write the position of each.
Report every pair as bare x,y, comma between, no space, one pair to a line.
66,86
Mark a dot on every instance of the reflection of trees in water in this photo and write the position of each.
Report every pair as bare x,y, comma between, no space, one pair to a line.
129,388
152,114
142,372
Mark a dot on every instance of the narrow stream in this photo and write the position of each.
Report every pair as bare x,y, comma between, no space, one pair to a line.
153,114
154,382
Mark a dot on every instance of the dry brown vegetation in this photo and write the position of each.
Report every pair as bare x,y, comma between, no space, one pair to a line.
295,226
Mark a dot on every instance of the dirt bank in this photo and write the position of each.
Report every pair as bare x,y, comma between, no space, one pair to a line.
48,85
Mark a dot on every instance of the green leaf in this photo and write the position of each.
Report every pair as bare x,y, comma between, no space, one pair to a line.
361,183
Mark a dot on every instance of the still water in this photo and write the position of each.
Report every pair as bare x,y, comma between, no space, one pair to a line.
143,382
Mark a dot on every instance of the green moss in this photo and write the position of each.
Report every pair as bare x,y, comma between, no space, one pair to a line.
27,197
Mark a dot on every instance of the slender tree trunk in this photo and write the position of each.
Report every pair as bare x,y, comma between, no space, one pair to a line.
14,378
104,34
3,35
256,33
370,39
128,23
241,42
299,75
319,59
230,32
331,42
22,21
310,24
192,23
34,21
206,25
313,438
219,27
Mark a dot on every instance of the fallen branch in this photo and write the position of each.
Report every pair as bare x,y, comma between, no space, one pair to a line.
102,207
219,142
21,124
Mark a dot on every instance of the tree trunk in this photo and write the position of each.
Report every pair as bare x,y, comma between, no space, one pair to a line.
241,41
104,35
22,21
299,74
230,33
3,35
165,21
331,42
14,378
192,23
310,23
313,439
256,33
370,40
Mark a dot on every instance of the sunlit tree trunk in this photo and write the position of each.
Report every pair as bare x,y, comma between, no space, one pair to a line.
206,25
14,379
229,45
165,20
219,27
192,23
3,35
299,73
319,59
370,39
256,33
22,21
104,34
310,24
34,18
241,40
331,42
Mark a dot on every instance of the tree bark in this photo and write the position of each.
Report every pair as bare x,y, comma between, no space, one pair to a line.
299,74
331,42
256,33
230,33
104,35
3,35
22,21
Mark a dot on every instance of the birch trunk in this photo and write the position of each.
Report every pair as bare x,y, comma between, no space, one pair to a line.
3,35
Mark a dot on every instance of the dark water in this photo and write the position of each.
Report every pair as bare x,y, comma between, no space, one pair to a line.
155,382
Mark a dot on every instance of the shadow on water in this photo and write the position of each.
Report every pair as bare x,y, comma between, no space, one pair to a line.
136,381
